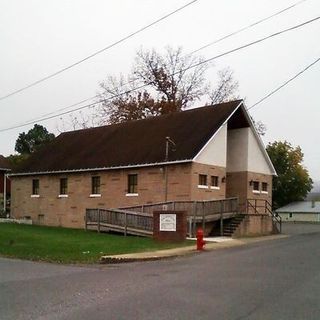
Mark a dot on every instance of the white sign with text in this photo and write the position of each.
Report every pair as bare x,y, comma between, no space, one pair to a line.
168,222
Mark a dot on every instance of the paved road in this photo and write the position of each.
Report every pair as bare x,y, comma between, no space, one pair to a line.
277,279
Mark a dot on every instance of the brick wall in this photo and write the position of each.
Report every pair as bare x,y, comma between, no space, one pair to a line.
50,209
181,227
183,180
210,193
238,185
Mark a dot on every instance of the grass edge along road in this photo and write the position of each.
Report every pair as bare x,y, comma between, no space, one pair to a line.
64,245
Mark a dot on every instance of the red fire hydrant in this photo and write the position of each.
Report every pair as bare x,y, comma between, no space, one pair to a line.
200,241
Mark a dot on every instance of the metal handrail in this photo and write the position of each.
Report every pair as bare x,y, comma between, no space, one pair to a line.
268,210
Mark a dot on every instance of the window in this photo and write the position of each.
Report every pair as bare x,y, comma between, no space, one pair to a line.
264,187
203,181
63,186
95,185
35,187
132,183
290,215
214,182
256,186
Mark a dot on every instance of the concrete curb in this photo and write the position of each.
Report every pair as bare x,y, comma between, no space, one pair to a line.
184,251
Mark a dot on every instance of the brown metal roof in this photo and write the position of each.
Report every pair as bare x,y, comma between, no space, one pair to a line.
131,143
4,163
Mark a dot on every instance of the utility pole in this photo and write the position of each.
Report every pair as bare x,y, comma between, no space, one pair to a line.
168,141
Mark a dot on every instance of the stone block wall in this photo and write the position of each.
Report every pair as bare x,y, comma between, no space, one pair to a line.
255,225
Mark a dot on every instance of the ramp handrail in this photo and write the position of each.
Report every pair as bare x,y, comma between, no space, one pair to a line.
193,208
121,218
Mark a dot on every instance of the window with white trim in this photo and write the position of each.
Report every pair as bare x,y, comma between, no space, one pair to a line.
132,183
256,186
203,182
35,186
63,186
215,181
95,185
264,187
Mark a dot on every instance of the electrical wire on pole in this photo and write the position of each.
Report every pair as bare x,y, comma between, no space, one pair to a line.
97,52
285,83
189,54
190,67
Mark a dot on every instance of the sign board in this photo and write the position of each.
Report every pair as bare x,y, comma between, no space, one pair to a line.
168,222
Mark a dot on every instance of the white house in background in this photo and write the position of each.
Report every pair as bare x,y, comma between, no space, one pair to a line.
301,211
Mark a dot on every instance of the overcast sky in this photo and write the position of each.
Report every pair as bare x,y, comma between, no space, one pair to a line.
40,37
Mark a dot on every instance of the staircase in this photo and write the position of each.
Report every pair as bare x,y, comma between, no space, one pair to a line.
229,226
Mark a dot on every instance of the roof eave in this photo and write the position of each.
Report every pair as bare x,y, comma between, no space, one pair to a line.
99,169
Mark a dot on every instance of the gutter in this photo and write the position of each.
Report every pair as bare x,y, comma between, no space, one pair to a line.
99,169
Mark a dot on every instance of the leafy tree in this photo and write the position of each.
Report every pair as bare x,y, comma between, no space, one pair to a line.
293,181
172,87
16,159
29,142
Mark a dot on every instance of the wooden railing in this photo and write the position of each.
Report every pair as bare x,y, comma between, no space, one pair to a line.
193,208
119,220
139,219
197,211
261,206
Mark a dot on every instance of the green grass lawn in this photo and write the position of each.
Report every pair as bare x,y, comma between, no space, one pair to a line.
64,245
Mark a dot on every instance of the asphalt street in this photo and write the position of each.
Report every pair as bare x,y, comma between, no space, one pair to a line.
278,279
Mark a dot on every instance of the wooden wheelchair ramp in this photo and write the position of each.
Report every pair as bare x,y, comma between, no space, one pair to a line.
138,220
123,221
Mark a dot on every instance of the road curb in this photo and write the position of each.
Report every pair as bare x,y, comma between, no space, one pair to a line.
184,251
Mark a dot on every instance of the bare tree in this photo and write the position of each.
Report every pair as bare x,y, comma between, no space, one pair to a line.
75,121
260,127
121,103
226,89
174,81
172,77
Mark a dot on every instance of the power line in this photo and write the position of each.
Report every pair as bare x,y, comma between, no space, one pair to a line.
248,26
285,83
190,67
201,48
64,108
99,51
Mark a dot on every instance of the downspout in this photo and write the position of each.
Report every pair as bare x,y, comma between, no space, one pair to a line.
4,191
166,171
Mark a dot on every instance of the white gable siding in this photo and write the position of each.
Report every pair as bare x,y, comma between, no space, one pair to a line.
244,152
215,151
256,159
237,150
